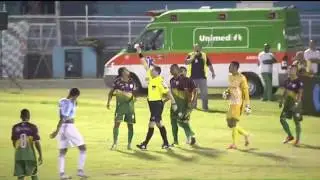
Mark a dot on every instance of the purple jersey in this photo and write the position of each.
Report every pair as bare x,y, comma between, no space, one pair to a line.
123,86
294,85
23,134
182,83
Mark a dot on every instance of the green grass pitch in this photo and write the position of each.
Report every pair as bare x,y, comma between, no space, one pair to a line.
267,157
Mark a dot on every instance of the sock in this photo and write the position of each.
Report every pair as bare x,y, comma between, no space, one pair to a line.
130,133
298,129
115,135
242,131
187,129
163,133
234,135
285,126
61,163
149,136
34,177
82,159
174,126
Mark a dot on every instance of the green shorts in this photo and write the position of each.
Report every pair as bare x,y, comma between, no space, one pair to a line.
25,168
289,111
183,112
125,112
129,118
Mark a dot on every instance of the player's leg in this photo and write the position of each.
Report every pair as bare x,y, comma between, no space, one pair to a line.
130,118
76,139
82,160
32,169
174,126
297,120
286,113
234,132
116,126
163,133
149,135
61,160
19,169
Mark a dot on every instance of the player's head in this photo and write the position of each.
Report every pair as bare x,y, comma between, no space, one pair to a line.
123,72
25,115
174,69
299,56
266,47
156,71
312,44
293,69
196,47
183,71
234,67
74,93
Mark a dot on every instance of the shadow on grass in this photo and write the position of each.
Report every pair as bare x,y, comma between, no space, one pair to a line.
211,111
171,153
203,151
307,146
269,155
141,155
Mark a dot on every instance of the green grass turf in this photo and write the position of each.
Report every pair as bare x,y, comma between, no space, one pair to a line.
268,158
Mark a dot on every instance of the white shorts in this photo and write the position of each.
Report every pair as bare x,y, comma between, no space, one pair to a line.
69,136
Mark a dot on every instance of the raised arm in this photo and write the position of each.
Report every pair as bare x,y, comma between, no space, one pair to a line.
142,58
190,59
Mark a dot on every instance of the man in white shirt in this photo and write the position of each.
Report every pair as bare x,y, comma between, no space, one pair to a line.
67,133
313,55
266,59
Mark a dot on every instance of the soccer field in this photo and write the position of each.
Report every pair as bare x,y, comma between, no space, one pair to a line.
266,158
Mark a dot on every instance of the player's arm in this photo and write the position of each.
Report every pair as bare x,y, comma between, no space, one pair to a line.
245,91
283,97
64,115
110,94
142,58
13,137
165,90
36,139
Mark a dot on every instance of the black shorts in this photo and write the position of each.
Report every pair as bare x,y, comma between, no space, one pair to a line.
156,109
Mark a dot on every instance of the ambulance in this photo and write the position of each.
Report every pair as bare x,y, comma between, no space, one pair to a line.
225,35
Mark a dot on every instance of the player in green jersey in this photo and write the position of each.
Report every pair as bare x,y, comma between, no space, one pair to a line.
24,137
123,89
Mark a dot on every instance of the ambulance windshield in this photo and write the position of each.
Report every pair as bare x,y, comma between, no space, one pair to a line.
150,40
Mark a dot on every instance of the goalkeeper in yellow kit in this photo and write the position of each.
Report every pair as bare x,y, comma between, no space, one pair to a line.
238,95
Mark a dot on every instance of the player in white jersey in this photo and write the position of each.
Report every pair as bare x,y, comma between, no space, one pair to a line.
67,134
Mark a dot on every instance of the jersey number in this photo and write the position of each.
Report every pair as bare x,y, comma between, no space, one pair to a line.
23,140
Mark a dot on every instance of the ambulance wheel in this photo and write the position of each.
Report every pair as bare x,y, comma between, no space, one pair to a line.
255,86
274,90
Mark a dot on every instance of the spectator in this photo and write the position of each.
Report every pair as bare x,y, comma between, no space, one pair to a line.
313,55
266,60
197,62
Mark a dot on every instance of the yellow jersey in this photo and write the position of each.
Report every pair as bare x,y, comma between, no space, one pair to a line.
156,87
239,90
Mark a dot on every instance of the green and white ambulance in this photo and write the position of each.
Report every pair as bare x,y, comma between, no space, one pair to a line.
224,34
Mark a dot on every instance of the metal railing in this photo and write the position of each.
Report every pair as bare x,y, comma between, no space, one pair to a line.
115,31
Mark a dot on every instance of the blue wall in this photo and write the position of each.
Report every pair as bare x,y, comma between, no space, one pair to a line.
89,62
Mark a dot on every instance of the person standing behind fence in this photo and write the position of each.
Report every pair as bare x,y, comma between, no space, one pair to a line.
266,59
196,70
313,55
